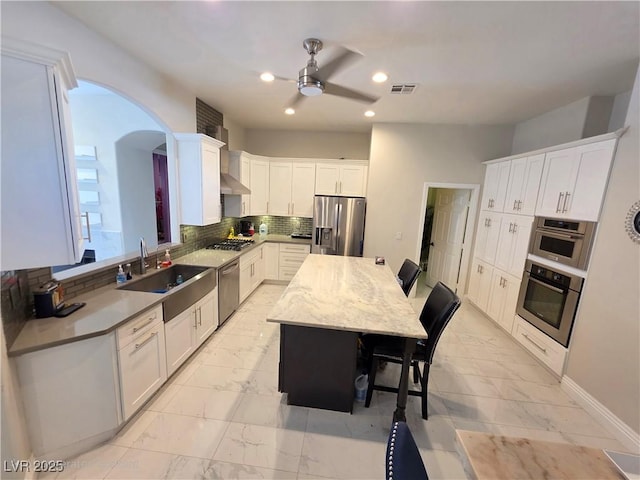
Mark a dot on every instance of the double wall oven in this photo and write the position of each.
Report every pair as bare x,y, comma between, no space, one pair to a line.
554,273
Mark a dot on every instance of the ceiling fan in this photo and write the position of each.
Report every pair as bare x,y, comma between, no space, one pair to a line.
313,80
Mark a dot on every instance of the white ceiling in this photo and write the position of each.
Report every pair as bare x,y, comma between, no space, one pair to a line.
474,62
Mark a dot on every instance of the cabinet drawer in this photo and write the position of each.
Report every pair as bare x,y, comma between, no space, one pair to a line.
250,257
292,259
543,347
287,273
138,325
295,248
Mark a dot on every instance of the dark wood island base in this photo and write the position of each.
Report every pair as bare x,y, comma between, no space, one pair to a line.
318,367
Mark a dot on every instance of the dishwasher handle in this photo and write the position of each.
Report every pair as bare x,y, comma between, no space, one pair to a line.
230,268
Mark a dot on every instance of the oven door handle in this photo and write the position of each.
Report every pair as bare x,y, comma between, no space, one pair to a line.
545,284
559,235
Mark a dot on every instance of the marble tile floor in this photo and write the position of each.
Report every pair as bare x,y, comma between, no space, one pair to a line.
221,416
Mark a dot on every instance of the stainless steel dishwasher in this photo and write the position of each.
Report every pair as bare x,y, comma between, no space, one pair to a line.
228,290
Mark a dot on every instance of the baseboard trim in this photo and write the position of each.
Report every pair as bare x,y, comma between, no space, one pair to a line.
623,432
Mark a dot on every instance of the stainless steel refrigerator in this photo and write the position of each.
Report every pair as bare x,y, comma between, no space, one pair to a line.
338,225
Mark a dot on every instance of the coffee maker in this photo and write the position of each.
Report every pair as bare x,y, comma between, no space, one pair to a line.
244,227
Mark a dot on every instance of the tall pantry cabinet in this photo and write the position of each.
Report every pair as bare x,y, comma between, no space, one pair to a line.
39,190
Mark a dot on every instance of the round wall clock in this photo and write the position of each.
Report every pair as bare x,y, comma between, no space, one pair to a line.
632,222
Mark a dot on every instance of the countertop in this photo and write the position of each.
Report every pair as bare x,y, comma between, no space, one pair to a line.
219,258
108,307
347,293
493,457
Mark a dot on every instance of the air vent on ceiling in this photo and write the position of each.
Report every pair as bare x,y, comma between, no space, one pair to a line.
403,88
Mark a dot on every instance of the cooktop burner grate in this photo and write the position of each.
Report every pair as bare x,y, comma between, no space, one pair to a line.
235,244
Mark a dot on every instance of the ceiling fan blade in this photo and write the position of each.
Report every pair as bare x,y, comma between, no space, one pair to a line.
342,60
333,89
295,100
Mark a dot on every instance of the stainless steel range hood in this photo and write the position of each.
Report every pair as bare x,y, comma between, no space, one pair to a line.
229,185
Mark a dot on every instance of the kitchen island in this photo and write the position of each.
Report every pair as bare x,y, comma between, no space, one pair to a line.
330,301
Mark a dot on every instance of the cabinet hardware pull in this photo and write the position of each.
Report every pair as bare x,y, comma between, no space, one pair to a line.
149,338
515,204
515,228
560,195
510,227
519,205
88,237
336,190
478,269
566,200
481,268
543,350
488,222
200,316
138,328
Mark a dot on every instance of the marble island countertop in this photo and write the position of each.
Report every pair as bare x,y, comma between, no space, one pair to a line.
108,307
347,293
494,457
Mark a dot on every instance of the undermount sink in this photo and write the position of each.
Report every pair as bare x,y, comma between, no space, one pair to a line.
196,283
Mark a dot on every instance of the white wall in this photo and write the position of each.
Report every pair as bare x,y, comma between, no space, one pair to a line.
292,143
98,60
558,126
619,111
403,158
236,134
604,358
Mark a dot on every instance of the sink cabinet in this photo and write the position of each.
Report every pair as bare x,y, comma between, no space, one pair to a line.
199,167
142,359
39,189
188,330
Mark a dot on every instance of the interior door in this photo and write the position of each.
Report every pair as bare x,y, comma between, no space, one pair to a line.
447,236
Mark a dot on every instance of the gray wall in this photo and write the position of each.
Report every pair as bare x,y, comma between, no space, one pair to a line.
604,358
293,143
403,158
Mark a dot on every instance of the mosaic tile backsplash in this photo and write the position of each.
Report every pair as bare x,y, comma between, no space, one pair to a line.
17,286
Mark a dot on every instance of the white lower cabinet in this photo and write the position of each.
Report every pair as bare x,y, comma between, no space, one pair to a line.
142,359
480,283
503,297
292,256
252,271
71,396
188,330
547,350
271,260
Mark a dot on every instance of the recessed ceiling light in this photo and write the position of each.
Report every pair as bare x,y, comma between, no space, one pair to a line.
289,111
379,77
267,77
369,113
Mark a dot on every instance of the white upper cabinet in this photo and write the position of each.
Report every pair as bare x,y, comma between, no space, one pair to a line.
513,244
291,186
259,186
495,186
39,191
488,236
574,181
280,175
524,181
342,179
199,166
240,168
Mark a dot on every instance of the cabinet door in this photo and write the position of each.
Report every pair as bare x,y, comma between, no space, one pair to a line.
497,295
36,143
521,233
271,257
302,189
245,178
488,235
352,181
495,186
280,176
512,286
240,168
143,369
180,335
259,187
524,182
593,173
327,175
503,298
210,184
480,283
206,316
506,239
560,170
259,269
246,272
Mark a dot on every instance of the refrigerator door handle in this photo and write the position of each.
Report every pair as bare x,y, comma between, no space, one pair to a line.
337,226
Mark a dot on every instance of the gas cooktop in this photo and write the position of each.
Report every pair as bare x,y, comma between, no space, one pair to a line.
236,244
